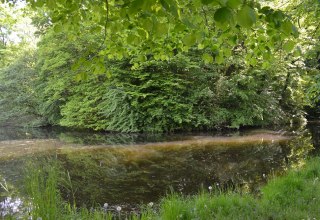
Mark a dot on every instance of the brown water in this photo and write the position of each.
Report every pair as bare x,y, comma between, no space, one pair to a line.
132,170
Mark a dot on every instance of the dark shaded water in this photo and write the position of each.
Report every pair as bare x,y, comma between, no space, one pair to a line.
129,170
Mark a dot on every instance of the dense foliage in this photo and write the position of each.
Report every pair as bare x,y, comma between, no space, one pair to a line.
162,66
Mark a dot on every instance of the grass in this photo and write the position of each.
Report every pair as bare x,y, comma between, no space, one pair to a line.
293,196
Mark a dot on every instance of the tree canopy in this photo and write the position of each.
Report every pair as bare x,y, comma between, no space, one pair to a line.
141,29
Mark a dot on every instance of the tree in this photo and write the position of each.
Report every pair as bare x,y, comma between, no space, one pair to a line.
159,29
168,65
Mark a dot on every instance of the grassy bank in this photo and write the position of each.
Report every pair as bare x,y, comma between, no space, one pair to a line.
293,196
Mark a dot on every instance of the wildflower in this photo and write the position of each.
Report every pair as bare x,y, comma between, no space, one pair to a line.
264,175
105,205
118,208
150,204
210,188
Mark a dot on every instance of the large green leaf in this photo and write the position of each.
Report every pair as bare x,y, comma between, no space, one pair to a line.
286,27
246,17
207,2
288,46
234,3
190,40
223,15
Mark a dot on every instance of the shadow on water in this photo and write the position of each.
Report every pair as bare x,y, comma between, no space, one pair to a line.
130,170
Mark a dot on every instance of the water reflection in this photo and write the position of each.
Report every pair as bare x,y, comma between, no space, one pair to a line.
82,136
127,170
130,175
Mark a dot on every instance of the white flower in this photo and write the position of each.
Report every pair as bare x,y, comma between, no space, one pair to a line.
118,208
105,205
210,188
150,204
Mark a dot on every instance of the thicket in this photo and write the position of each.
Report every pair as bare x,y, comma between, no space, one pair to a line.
70,80
183,93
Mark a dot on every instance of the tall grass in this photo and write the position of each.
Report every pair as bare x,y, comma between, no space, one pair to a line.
293,196
42,187
42,181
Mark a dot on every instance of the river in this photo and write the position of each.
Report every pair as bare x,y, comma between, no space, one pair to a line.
130,170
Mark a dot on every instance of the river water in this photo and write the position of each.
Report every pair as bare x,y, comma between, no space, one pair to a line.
130,170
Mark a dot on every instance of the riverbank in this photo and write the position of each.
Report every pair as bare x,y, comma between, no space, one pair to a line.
293,196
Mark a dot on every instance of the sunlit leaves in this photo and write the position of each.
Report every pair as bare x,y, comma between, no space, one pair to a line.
288,28
190,40
207,58
219,58
161,28
288,46
234,3
164,28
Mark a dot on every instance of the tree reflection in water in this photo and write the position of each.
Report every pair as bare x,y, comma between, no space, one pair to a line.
128,175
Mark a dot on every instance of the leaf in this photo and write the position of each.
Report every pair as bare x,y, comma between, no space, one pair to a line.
207,58
190,40
234,3
98,68
135,6
161,28
51,4
141,58
287,27
109,74
58,28
266,56
131,38
227,52
200,46
288,46
246,17
266,65
223,15
297,52
295,31
165,4
81,76
219,58
207,2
